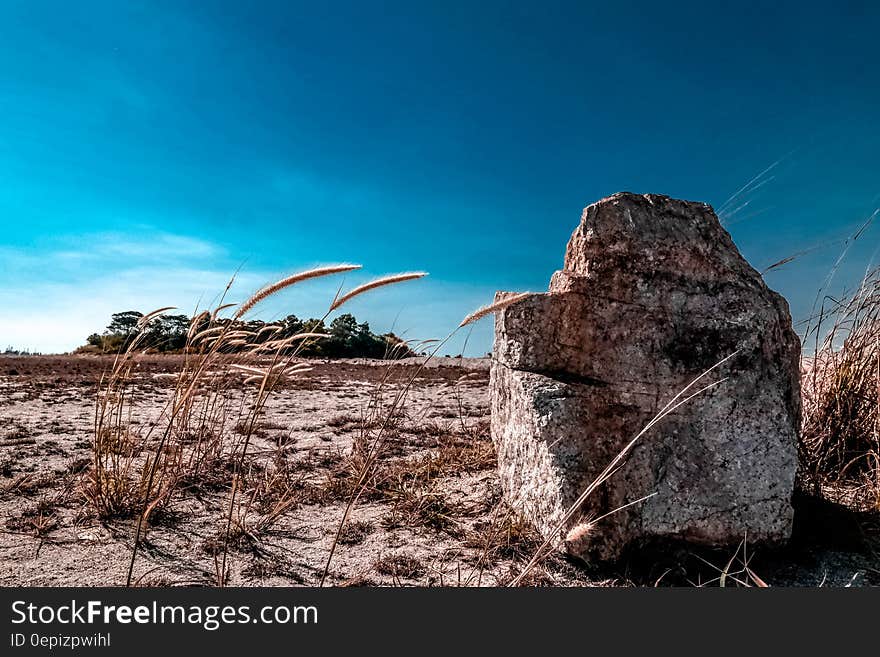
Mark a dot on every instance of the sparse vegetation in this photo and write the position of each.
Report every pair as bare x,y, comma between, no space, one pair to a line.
356,532
400,566
344,337
205,423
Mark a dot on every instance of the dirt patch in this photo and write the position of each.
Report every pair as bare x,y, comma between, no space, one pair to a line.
430,515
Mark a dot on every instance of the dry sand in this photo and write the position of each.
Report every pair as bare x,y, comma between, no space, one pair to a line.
49,535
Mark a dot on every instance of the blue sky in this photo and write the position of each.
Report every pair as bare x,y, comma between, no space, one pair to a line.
148,150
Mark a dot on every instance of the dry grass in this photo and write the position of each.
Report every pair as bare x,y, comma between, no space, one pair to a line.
205,429
415,504
38,520
840,443
372,285
356,532
380,424
203,437
506,537
400,566
284,283
501,304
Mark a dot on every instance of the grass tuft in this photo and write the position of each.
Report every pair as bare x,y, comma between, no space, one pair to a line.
840,440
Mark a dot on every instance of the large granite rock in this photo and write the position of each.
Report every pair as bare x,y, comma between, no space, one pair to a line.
653,293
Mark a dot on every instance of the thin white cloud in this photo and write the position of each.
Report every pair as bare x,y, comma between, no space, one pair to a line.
57,295
56,317
112,273
152,246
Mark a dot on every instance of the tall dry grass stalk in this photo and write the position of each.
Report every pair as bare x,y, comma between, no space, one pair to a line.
682,397
501,304
383,419
376,425
372,285
205,427
284,283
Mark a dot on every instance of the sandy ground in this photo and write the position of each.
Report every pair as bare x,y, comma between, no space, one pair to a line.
452,529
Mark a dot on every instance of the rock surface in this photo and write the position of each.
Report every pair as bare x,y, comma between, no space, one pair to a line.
653,293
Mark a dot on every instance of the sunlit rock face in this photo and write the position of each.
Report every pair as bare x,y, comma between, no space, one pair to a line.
652,294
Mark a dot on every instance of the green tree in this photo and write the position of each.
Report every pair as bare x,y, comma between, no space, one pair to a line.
168,332
314,348
343,332
346,337
290,326
124,323
121,330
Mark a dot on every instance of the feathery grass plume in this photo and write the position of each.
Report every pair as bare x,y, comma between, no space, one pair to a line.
778,264
269,290
583,530
233,335
272,345
247,368
208,331
143,321
195,322
304,336
300,367
479,313
274,328
580,532
220,309
372,285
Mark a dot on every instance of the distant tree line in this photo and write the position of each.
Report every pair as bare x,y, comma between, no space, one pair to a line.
346,337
